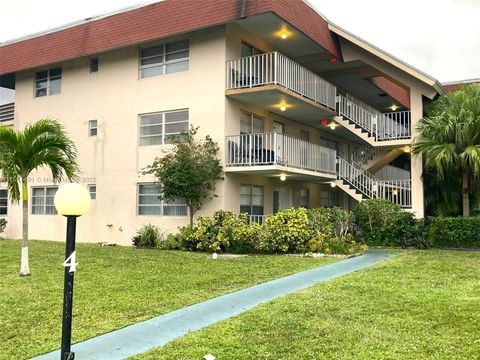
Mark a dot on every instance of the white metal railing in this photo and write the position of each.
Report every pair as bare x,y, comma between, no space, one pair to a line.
389,172
357,177
259,219
393,126
396,191
356,113
278,149
382,126
7,112
275,68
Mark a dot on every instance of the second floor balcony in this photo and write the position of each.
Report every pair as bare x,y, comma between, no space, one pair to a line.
274,154
276,82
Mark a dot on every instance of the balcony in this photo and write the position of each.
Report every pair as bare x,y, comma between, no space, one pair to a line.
7,113
274,81
274,155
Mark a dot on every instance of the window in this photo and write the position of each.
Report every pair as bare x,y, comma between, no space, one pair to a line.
3,201
48,82
328,198
304,135
305,198
164,59
161,128
251,124
42,201
149,202
92,128
94,64
329,144
92,189
251,199
249,50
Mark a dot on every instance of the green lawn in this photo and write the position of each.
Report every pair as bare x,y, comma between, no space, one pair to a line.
420,305
114,287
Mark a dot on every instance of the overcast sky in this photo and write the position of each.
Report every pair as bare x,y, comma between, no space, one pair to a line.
440,37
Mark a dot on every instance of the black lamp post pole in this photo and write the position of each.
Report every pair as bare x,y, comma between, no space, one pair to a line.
66,354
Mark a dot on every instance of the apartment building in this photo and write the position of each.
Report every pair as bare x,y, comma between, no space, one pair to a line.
305,113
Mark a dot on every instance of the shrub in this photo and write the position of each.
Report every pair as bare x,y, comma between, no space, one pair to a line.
3,224
461,232
286,231
221,232
342,244
148,236
383,223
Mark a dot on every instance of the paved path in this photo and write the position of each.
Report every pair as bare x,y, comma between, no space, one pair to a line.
140,337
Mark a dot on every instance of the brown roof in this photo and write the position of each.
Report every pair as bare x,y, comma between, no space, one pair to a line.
151,22
454,85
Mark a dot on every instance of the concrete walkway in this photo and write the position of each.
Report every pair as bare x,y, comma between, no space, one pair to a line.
140,337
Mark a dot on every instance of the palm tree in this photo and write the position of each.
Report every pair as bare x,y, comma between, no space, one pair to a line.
41,144
449,138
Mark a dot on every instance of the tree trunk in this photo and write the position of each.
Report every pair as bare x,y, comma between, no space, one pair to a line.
24,266
190,213
466,194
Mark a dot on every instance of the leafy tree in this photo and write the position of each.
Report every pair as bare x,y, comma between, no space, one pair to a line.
190,171
41,144
449,138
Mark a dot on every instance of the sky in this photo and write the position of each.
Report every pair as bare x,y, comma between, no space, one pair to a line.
439,37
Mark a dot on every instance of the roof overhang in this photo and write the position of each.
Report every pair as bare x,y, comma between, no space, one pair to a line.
155,21
399,64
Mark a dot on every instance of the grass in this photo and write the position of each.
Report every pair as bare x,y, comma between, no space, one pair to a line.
114,287
420,305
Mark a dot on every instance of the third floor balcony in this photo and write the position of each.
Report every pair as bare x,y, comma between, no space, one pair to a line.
274,81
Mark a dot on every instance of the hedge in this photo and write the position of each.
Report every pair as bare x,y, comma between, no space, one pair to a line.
459,232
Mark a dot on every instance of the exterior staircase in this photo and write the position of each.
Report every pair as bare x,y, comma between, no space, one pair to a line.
370,125
361,185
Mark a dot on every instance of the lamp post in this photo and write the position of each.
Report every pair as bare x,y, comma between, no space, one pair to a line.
71,200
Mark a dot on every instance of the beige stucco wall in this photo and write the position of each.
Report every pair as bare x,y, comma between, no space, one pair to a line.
115,96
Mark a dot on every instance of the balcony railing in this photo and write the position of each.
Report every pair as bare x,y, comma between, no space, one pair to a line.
279,149
7,112
397,191
259,219
275,68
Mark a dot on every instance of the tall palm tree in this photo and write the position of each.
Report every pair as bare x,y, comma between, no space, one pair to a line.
41,144
449,138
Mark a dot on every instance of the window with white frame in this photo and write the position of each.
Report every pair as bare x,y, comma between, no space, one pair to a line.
251,199
92,189
249,50
164,59
305,198
48,82
162,128
251,123
328,198
3,201
42,200
149,202
92,128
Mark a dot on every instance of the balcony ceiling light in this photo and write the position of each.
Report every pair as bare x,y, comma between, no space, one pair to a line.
333,125
333,184
284,35
283,178
394,107
283,108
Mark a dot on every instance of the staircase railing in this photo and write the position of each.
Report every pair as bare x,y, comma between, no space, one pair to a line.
381,126
396,191
357,177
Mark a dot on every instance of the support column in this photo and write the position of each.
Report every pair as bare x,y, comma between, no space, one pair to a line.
416,107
